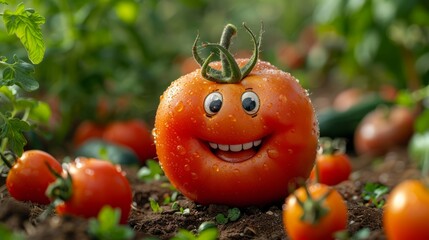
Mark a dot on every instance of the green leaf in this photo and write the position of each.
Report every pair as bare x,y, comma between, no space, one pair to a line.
107,227
421,124
152,171
209,234
40,112
234,214
25,24
13,129
7,234
221,219
154,205
21,74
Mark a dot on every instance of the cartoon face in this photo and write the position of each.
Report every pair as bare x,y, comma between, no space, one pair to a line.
238,144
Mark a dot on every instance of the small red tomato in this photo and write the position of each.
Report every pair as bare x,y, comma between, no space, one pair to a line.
406,212
333,168
347,98
383,129
87,130
326,216
133,134
94,184
29,177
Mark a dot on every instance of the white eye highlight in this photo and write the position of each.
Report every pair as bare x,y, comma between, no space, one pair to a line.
213,103
250,102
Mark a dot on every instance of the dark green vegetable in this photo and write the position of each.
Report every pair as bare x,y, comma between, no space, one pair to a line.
342,124
103,150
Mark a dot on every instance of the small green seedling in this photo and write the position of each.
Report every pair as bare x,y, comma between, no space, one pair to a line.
151,172
107,227
232,216
154,205
359,235
206,231
373,193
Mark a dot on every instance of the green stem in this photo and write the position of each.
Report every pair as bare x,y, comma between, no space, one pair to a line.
231,72
6,161
225,41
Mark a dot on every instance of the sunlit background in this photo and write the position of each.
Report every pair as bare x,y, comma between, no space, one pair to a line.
112,59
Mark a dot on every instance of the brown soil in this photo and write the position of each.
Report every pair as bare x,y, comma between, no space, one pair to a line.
254,222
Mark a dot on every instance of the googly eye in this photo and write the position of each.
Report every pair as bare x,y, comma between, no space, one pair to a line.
213,103
250,102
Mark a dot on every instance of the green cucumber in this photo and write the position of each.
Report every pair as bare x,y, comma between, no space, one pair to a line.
100,149
342,124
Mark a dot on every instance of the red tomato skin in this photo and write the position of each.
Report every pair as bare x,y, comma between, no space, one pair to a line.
29,176
96,183
335,220
333,168
406,213
87,130
134,134
285,122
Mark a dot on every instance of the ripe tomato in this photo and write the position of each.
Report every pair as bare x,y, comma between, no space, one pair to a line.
406,212
332,168
334,220
383,129
347,98
241,143
96,183
29,177
133,134
87,130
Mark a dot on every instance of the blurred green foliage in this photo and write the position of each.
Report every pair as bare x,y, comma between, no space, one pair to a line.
109,59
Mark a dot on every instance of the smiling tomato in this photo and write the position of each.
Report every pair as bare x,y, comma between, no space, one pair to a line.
237,132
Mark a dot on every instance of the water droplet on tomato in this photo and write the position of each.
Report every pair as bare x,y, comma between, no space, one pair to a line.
273,153
181,150
187,167
89,172
194,176
290,151
283,98
232,118
215,168
179,106
236,171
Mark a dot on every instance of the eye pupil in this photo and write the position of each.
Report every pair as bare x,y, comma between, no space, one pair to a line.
215,105
249,104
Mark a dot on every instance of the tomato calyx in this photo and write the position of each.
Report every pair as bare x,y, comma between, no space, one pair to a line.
235,153
231,72
330,146
313,210
61,189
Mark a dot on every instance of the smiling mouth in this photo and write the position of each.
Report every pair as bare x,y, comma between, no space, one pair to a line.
237,152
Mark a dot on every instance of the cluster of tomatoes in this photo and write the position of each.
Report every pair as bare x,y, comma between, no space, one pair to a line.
133,134
81,187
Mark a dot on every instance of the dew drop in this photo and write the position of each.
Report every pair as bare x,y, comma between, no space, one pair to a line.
236,171
283,98
290,151
181,150
194,176
273,153
187,167
179,106
215,168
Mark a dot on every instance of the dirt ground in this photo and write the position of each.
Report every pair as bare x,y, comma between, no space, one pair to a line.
254,222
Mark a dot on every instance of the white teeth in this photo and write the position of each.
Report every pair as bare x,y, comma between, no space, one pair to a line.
213,145
235,147
223,147
248,145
